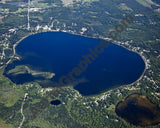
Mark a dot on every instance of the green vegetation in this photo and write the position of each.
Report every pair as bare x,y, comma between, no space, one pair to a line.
19,70
3,125
22,69
9,93
97,17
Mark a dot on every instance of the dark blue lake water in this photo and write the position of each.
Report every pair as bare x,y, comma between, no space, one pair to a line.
59,53
55,102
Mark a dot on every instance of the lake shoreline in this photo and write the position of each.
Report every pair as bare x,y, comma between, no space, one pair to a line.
106,39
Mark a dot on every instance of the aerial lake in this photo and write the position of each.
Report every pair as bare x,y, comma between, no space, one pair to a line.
87,64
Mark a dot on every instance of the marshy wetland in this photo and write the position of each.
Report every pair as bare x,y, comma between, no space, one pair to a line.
138,110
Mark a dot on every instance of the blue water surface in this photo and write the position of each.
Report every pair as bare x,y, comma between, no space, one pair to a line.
59,53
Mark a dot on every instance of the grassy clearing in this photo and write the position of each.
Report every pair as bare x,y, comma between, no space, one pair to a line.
3,125
9,92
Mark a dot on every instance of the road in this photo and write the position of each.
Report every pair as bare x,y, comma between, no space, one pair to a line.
26,94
